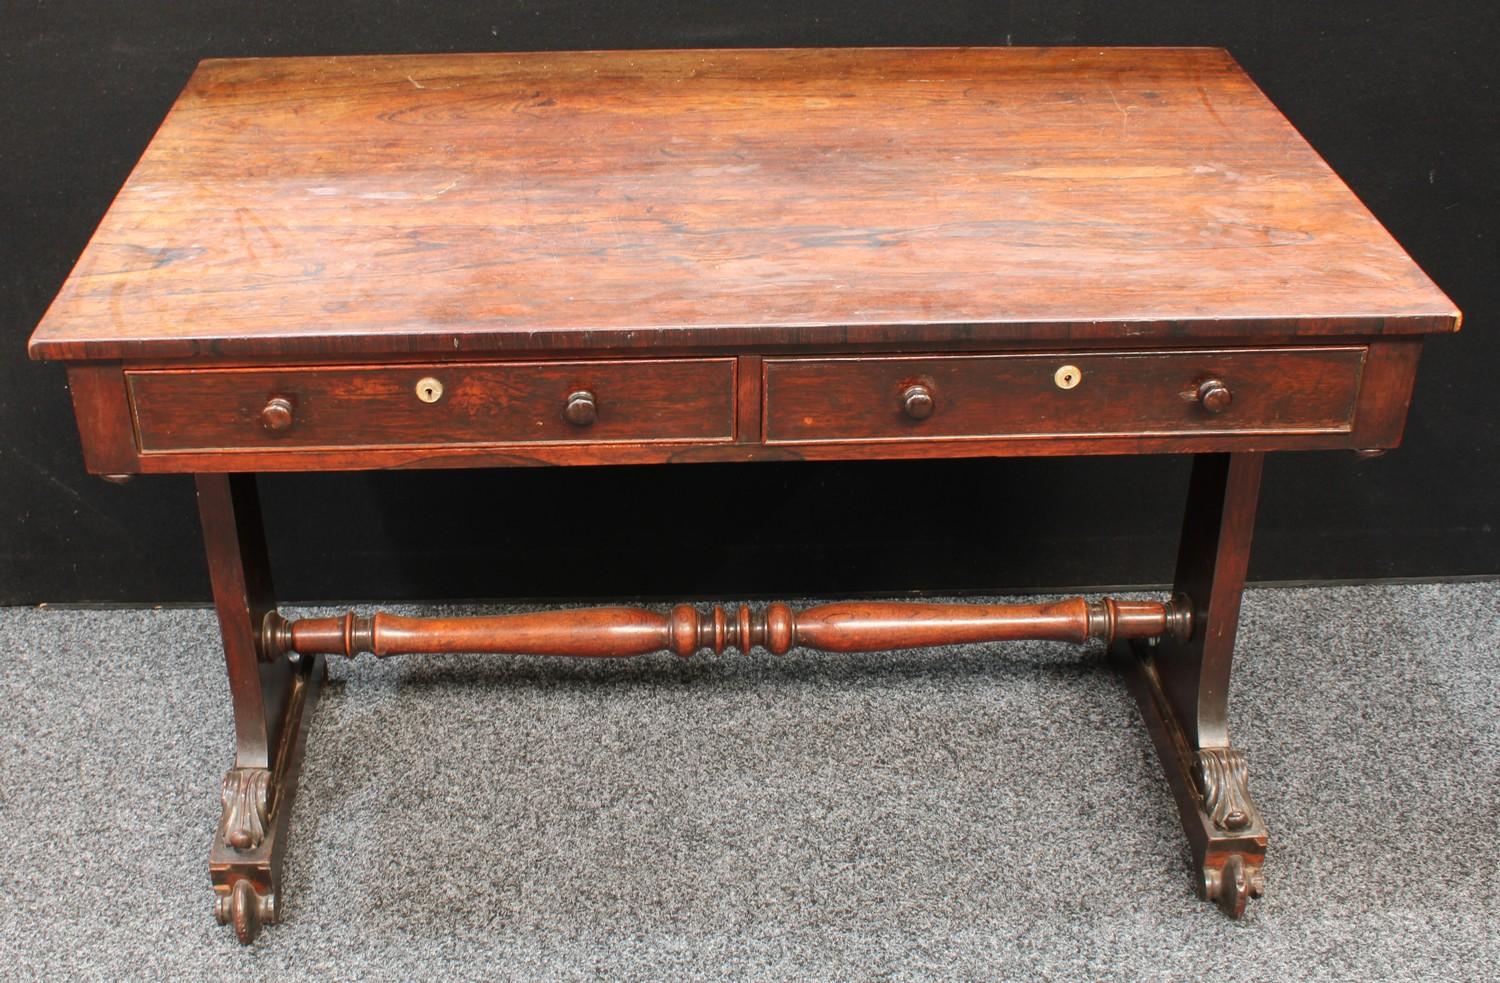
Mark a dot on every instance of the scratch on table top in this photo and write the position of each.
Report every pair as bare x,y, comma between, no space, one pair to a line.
1208,104
1124,113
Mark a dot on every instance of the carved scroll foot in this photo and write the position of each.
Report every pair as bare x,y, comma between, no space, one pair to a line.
245,861
1232,884
244,908
1212,790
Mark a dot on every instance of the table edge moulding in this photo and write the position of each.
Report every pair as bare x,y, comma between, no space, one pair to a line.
677,256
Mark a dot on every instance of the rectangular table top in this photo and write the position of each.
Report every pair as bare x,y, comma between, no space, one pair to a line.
734,198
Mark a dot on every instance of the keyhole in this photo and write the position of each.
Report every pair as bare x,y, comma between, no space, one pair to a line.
1067,377
429,390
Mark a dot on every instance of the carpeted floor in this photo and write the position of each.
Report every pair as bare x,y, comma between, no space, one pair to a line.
975,812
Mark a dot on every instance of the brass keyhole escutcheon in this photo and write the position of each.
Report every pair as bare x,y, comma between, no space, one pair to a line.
429,390
1068,376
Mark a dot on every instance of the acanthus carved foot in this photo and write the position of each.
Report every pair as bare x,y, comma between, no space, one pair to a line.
1232,885
247,800
1224,781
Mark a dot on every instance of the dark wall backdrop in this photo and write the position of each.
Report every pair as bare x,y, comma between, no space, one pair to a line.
1400,97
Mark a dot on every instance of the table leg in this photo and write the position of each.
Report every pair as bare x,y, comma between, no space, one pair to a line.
272,704
1182,687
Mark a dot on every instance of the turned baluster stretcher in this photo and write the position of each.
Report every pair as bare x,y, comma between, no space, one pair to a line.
615,632
668,257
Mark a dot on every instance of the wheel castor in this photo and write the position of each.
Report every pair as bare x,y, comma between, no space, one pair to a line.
1232,885
245,909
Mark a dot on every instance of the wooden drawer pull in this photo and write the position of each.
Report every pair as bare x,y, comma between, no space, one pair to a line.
1214,396
277,415
917,402
581,410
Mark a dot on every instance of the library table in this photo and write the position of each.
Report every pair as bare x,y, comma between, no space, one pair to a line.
667,257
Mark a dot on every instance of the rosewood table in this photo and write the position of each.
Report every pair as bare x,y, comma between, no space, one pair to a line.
663,257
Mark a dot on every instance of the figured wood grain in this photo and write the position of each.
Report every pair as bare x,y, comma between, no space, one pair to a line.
1212,560
1273,391
373,406
739,199
420,456
102,408
240,572
649,257
619,632
1385,393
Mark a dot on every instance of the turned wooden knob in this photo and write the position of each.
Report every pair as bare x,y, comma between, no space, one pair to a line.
1214,396
916,401
277,416
581,409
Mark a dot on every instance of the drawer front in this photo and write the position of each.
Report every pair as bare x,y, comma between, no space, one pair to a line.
1287,390
397,405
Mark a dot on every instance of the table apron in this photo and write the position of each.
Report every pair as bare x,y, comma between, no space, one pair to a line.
777,408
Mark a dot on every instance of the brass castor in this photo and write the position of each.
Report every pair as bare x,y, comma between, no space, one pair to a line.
245,909
1232,885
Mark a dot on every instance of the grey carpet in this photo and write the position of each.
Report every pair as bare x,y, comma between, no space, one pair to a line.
975,812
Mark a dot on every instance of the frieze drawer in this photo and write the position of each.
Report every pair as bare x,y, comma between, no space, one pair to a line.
1074,394
626,401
